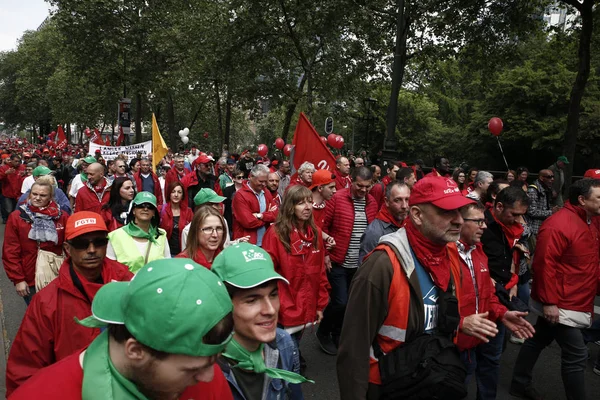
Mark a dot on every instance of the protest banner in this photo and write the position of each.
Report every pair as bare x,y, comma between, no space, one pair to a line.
111,152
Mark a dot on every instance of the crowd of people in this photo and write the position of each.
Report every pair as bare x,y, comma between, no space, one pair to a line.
236,258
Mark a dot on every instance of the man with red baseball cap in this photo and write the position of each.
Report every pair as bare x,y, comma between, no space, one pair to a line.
48,332
323,188
410,266
201,177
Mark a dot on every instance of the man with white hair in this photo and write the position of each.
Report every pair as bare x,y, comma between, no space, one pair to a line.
253,206
304,178
482,182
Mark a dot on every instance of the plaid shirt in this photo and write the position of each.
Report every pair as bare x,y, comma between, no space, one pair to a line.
539,205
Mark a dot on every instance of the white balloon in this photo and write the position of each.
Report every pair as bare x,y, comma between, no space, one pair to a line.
182,134
185,139
187,131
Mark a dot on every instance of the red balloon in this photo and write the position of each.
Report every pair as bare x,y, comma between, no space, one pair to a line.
331,139
205,135
262,150
339,142
495,126
324,140
287,149
279,143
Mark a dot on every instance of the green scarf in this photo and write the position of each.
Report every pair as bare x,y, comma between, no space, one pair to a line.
83,177
101,380
253,361
135,231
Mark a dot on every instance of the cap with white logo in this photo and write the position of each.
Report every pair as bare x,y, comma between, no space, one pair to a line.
84,222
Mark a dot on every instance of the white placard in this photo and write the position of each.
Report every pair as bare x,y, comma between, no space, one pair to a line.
111,152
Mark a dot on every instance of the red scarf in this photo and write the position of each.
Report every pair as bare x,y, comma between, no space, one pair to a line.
385,216
200,258
301,243
91,288
513,234
52,210
432,256
99,188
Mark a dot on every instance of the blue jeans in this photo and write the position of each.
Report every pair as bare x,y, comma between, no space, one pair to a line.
333,316
523,290
484,361
30,295
574,355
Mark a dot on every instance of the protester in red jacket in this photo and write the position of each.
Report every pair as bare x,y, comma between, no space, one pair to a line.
567,279
295,244
342,174
48,332
39,220
11,176
178,171
175,215
347,215
146,180
95,192
253,208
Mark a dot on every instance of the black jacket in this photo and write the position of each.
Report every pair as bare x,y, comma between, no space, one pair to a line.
497,249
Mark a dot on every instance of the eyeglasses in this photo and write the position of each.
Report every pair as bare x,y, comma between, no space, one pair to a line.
120,166
146,206
84,244
479,222
211,230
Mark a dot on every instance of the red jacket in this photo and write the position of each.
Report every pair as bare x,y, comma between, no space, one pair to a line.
378,193
166,218
342,182
339,220
566,261
173,176
48,332
111,222
19,253
11,183
466,291
63,381
192,186
88,200
244,204
157,190
307,291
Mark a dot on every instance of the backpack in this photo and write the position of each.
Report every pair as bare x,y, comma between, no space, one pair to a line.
428,367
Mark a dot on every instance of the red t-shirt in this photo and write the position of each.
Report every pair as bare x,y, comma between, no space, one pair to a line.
63,381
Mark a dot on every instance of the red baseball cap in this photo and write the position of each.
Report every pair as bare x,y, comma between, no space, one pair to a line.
321,177
203,159
439,191
84,222
592,173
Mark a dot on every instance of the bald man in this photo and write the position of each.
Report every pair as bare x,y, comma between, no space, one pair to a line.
96,190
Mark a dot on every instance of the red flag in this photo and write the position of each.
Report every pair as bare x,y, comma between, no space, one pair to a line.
121,136
107,141
62,138
309,147
97,137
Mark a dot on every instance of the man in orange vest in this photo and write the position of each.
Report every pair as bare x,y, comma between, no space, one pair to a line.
412,268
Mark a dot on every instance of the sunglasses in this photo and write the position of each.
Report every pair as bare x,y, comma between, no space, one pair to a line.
146,206
549,176
239,177
84,244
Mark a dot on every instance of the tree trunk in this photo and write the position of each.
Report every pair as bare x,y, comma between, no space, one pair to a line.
138,119
402,25
68,133
227,121
309,97
578,89
219,116
171,128
291,109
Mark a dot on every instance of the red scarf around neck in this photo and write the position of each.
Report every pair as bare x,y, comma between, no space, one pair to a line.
432,256
51,210
100,186
513,234
385,216
200,258
91,288
301,243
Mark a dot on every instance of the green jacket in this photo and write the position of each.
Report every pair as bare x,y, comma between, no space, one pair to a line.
127,251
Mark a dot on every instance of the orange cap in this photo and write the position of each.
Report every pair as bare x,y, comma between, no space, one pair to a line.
84,222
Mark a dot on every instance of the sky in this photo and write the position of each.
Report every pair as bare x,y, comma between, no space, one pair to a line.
17,16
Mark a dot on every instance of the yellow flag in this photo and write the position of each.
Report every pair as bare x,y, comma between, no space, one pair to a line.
159,147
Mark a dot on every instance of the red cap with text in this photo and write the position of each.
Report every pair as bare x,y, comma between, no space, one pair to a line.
592,173
439,191
84,222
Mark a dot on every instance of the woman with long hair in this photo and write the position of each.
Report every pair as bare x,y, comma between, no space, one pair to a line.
37,224
115,211
175,215
206,237
522,175
295,244
140,240
510,176
460,177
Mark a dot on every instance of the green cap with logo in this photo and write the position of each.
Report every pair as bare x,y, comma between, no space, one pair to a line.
207,196
90,160
245,266
145,198
40,171
170,305
563,159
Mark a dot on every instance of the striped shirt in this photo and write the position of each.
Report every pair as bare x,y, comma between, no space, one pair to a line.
360,226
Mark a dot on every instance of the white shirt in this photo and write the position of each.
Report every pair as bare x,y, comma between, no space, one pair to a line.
27,184
76,184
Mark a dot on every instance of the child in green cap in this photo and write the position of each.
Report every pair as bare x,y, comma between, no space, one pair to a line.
261,362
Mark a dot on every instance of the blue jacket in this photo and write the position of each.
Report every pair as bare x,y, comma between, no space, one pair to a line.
59,197
282,354
370,239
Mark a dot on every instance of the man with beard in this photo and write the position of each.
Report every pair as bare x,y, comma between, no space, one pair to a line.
96,191
226,177
273,186
165,330
48,332
410,264
284,176
200,178
441,167
390,218
147,181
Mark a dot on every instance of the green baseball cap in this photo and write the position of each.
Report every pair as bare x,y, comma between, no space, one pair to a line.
170,305
40,171
563,159
245,266
207,196
143,198
90,160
